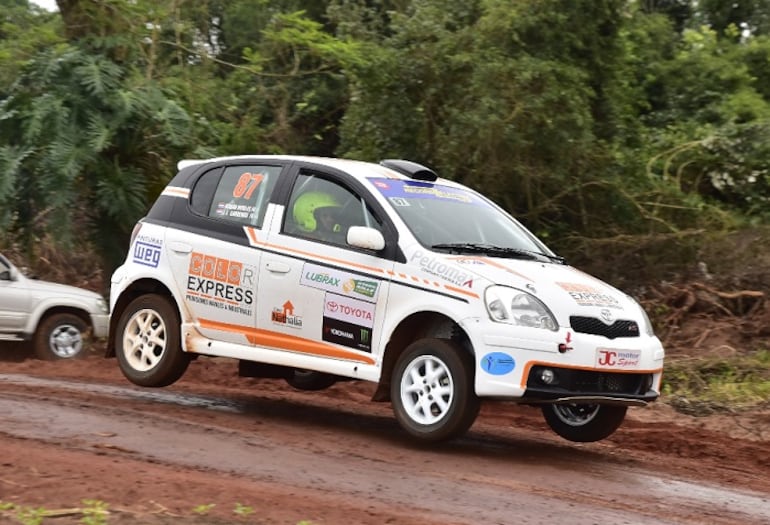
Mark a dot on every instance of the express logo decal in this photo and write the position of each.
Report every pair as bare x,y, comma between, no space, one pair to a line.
586,295
439,268
220,282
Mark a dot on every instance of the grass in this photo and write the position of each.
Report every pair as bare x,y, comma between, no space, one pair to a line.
707,385
96,512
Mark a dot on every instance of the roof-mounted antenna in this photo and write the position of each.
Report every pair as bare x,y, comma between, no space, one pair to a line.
410,169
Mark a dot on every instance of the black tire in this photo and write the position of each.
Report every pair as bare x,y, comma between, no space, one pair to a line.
441,404
147,342
310,380
584,423
60,336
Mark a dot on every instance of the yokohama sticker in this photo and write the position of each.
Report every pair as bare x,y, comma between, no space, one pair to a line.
347,334
352,311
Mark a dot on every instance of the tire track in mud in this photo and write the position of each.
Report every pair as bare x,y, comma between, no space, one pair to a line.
306,445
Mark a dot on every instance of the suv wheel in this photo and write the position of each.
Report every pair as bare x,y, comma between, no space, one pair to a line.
432,390
148,342
60,336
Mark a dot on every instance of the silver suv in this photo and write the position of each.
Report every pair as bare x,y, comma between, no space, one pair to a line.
57,318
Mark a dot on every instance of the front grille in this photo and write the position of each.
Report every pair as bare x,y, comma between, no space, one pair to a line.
589,382
594,326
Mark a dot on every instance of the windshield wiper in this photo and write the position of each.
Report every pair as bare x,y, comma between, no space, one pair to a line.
499,251
488,249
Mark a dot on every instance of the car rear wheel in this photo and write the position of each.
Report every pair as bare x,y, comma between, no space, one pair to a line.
60,336
584,423
148,342
432,390
310,380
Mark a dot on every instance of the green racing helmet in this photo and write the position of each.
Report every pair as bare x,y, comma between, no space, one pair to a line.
306,204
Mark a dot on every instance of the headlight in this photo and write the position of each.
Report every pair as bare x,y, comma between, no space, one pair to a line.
516,307
102,305
647,328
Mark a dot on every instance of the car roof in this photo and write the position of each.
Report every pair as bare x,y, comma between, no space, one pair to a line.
344,164
358,168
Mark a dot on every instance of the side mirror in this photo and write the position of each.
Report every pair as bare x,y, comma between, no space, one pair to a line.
5,275
367,238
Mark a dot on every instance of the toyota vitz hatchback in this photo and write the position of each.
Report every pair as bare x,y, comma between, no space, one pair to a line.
318,270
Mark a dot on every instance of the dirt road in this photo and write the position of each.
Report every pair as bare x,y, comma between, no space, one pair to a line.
215,448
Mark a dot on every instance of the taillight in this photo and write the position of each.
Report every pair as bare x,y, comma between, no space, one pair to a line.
135,232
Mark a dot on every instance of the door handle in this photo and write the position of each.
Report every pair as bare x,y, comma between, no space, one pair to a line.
277,267
179,247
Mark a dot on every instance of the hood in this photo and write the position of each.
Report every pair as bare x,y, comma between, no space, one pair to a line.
47,290
565,290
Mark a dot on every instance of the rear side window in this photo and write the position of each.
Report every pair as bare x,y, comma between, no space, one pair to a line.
240,193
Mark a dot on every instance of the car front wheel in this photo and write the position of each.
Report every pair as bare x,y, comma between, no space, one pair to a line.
432,390
60,336
584,423
148,342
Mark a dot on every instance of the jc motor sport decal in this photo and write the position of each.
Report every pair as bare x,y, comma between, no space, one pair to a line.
348,322
618,358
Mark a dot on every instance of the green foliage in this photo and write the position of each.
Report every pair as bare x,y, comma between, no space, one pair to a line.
88,143
243,510
203,509
705,385
95,512
632,125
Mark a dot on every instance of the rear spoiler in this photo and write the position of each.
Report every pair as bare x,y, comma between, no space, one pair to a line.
186,163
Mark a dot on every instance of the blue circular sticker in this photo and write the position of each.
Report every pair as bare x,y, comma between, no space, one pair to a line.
497,363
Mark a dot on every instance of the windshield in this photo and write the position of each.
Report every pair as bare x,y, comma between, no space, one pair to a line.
457,220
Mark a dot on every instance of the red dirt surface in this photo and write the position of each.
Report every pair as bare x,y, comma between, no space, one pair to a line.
224,449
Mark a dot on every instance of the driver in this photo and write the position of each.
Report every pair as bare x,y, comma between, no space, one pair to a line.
317,214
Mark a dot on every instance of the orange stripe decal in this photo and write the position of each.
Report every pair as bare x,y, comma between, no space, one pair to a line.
461,291
287,342
255,242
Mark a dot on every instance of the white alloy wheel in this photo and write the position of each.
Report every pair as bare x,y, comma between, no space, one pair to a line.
427,389
431,390
148,344
144,340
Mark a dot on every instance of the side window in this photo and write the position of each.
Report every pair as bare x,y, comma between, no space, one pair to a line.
5,271
323,210
240,193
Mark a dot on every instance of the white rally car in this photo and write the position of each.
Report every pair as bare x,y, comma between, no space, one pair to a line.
318,270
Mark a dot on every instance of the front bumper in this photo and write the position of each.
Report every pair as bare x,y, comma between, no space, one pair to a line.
100,325
539,366
550,383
